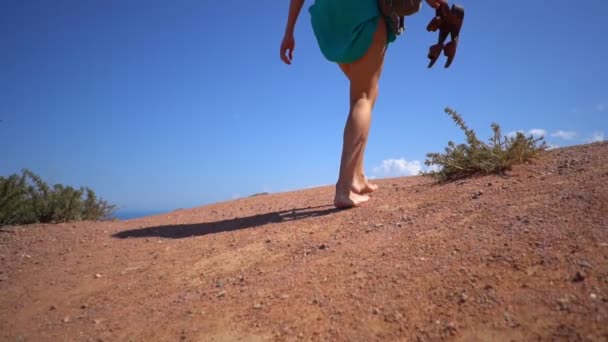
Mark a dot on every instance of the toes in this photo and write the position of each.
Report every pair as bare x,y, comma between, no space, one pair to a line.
353,200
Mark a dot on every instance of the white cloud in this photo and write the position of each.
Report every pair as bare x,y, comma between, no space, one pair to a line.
600,107
536,132
397,168
596,137
566,135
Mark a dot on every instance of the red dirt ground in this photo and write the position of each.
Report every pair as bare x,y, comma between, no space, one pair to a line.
517,258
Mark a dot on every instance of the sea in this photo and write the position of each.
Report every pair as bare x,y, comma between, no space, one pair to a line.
133,214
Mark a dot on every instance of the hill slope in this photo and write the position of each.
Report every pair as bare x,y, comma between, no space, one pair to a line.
521,257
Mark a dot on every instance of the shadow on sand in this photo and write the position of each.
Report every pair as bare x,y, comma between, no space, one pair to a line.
198,229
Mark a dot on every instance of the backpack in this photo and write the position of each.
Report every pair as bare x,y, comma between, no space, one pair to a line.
395,12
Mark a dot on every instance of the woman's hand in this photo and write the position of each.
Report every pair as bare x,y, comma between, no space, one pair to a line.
434,3
287,46
289,43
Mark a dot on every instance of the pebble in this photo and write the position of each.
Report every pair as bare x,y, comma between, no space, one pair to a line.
98,275
563,303
66,319
463,298
221,294
578,277
593,296
584,264
322,246
257,306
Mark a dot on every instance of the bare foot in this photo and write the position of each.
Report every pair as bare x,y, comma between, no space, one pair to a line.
363,187
343,201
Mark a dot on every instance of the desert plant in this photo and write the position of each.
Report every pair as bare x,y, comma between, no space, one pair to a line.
476,157
28,199
14,206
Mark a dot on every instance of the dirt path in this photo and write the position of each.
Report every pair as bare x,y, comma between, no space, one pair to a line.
522,257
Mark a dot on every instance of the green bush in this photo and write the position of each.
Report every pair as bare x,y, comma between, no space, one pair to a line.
26,199
478,158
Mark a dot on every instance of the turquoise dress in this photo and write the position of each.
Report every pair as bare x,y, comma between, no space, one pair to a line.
345,28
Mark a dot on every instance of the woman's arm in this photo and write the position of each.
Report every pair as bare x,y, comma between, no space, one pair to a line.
295,6
288,44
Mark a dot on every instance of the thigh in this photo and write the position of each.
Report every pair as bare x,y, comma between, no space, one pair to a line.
364,73
345,69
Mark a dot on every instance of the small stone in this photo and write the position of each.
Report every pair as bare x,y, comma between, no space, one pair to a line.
84,306
97,321
66,319
593,296
379,225
268,241
98,275
463,298
53,307
284,296
578,277
257,306
219,284
375,311
221,294
562,303
322,246
584,264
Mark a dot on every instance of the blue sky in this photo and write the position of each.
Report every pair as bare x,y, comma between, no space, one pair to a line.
158,105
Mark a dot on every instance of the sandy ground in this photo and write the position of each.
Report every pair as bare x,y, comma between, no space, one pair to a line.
522,257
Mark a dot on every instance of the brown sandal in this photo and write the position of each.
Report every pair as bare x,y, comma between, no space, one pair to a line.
447,21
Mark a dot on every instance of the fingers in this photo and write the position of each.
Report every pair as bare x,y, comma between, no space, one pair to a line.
284,57
286,54
434,3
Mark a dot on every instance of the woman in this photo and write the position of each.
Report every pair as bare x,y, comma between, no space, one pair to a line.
353,34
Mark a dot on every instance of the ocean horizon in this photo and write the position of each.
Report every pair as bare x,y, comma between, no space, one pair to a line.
133,214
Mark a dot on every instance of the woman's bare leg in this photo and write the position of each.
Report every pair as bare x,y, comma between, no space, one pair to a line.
361,184
364,75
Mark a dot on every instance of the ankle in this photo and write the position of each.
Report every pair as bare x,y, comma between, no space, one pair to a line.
343,187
